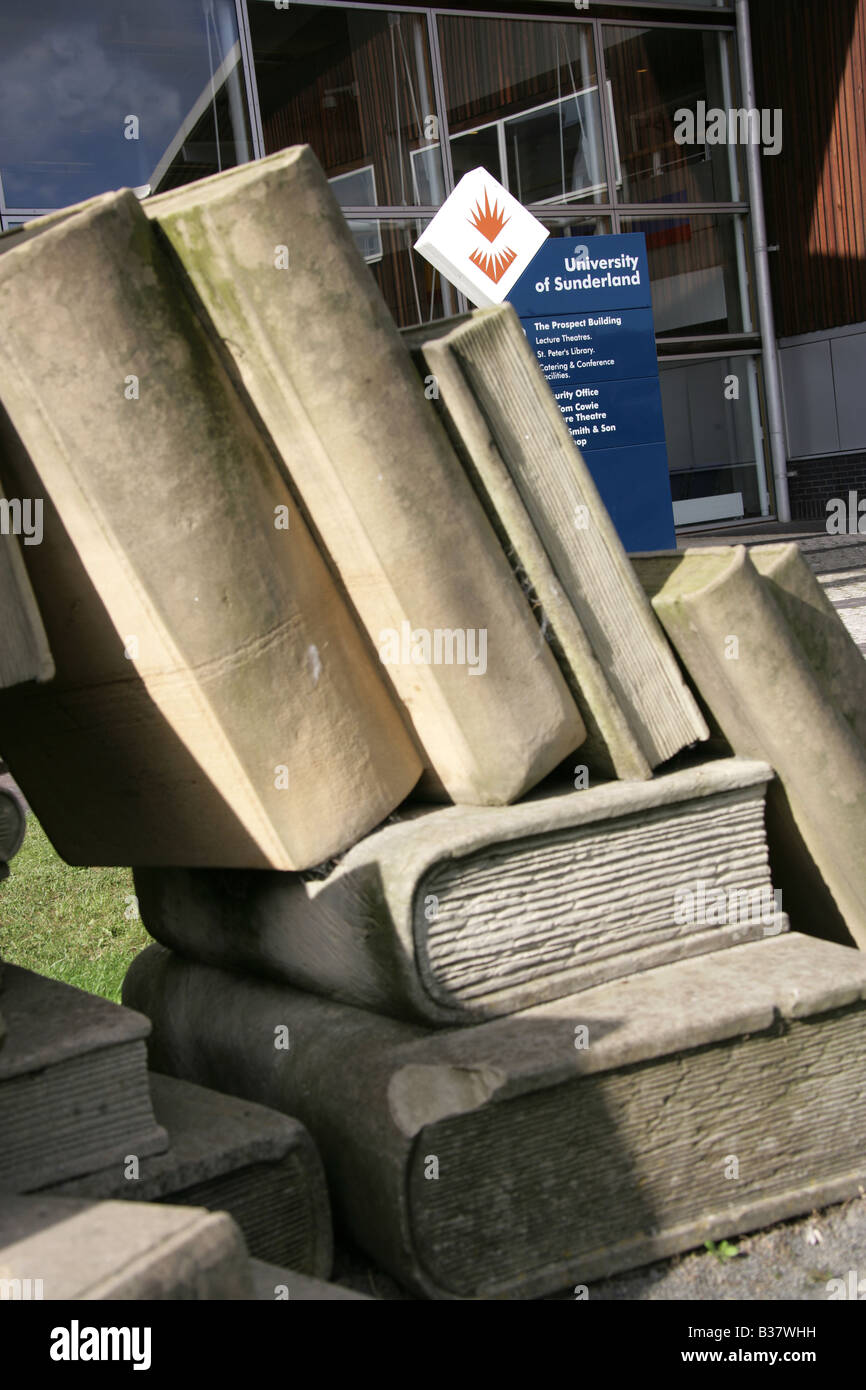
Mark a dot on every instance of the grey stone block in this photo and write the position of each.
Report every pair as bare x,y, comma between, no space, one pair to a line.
524,1155
230,1155
68,1249
74,1093
460,914
271,1283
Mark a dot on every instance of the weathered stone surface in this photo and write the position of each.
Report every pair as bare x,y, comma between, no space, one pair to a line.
523,1155
546,508
120,1250
745,657
830,650
270,256
74,1093
465,913
24,650
230,1155
270,1283
213,692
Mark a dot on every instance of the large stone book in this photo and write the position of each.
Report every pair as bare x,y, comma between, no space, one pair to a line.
578,1138
229,1155
214,694
69,1249
74,1094
309,336
460,914
24,651
546,509
752,655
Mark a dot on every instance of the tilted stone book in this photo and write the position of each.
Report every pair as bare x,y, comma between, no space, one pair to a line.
581,1137
544,505
831,651
304,327
769,676
459,914
215,701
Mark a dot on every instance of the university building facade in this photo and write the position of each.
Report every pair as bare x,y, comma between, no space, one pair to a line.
757,259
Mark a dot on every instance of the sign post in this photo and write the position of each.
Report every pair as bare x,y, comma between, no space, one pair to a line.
586,309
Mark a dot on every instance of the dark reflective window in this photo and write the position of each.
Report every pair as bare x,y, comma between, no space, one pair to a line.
414,292
653,74
356,85
523,101
712,428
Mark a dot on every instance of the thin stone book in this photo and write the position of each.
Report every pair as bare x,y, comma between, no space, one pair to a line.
545,507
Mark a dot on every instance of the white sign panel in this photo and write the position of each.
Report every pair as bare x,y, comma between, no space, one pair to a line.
481,239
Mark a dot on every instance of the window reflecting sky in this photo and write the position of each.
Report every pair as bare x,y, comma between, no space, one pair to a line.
71,74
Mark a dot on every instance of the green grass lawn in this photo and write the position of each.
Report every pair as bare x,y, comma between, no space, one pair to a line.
77,925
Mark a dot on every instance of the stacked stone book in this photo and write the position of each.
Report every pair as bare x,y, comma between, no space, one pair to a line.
522,1156
461,914
228,1155
82,1117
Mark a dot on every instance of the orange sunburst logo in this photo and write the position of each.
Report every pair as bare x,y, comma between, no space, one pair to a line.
490,221
494,265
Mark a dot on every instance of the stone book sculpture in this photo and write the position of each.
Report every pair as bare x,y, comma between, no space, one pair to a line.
230,1155
24,651
278,275
550,519
214,694
578,1138
454,915
74,1093
770,677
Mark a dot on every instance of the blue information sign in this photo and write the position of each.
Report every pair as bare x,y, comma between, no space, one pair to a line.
586,309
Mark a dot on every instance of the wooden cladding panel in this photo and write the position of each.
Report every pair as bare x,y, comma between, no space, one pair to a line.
810,61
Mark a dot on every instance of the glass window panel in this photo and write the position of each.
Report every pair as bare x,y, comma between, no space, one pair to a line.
522,101
693,263
577,226
414,292
653,74
713,437
73,76
357,86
